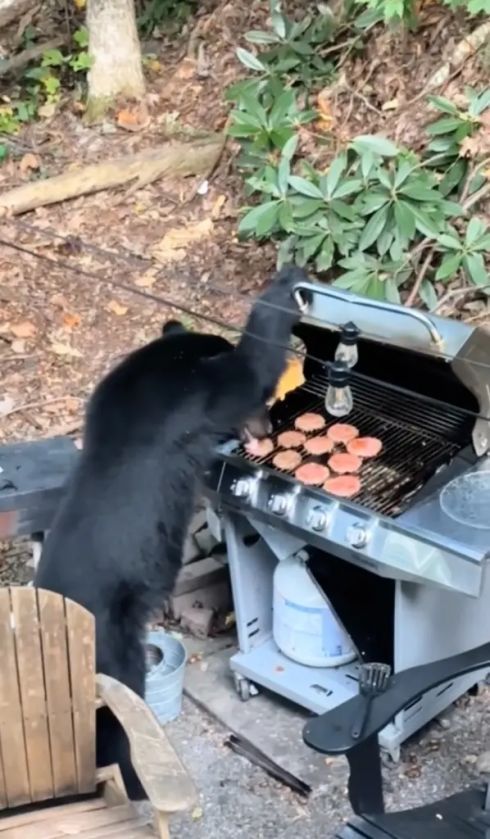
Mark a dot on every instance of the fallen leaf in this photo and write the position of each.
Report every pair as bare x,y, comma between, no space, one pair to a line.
469,147
135,119
6,405
173,246
78,442
70,320
65,349
147,279
80,4
28,163
204,666
217,206
18,346
197,813
391,105
72,405
26,329
117,308
47,110
59,300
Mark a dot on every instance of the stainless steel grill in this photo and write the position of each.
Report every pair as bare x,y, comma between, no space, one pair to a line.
418,438
405,576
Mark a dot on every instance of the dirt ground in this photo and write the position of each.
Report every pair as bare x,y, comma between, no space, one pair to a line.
61,323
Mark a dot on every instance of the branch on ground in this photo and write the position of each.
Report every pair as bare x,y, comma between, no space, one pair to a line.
142,168
10,10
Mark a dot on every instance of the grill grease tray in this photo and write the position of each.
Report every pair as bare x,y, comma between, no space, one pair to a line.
418,438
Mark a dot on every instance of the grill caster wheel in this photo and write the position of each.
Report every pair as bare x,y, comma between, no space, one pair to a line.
244,688
478,689
390,756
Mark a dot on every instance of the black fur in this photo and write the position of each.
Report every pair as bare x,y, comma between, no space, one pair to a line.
151,428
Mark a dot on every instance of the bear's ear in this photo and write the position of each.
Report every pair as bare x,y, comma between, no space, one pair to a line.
173,326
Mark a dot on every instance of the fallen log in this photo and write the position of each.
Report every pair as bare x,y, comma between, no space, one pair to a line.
12,9
19,61
142,168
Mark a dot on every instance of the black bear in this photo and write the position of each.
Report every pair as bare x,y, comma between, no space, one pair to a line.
151,428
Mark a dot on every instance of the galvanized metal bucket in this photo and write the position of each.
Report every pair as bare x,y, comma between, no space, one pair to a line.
165,662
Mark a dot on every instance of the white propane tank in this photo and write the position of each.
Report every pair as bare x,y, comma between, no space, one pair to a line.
304,627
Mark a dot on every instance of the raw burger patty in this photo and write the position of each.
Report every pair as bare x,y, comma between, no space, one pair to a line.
313,474
291,439
345,486
287,460
309,422
365,446
259,448
319,445
342,432
343,462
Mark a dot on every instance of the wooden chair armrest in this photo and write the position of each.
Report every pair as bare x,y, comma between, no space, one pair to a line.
164,778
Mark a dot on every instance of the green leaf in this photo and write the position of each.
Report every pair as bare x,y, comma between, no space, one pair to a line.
312,245
474,266
252,109
373,201
342,209
419,191
405,219
350,281
285,217
258,37
391,291
248,224
373,229
268,220
367,162
427,294
278,22
290,147
250,61
374,143
307,207
402,174
324,259
444,126
450,208
424,223
482,244
453,177
304,187
280,136
347,187
375,288
384,241
242,129
443,104
475,230
335,170
281,109
482,103
384,178
449,266
450,242
283,174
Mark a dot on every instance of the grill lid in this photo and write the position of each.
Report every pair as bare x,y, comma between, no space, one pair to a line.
466,348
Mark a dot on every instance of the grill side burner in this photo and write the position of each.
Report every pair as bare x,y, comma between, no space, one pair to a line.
418,438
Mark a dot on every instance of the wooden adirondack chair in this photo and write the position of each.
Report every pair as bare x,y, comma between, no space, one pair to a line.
49,693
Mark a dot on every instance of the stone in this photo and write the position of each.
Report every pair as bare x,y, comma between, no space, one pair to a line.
483,763
205,540
197,621
199,574
216,597
192,551
199,520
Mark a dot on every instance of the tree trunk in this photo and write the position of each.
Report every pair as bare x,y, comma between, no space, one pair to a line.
12,9
114,46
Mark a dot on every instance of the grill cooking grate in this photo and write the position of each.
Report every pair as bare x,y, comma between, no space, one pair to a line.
417,438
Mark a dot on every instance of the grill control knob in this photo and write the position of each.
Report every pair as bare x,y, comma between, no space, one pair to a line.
357,536
279,504
317,519
242,487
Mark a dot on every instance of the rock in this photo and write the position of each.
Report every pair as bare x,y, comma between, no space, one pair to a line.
482,763
197,621
216,597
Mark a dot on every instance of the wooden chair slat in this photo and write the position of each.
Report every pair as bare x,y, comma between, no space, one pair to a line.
20,820
32,691
57,681
109,820
81,647
15,774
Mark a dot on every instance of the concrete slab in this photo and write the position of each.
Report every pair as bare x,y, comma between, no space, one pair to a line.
266,721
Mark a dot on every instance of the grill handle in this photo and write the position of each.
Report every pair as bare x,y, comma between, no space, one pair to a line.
369,303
